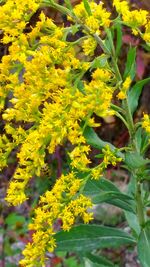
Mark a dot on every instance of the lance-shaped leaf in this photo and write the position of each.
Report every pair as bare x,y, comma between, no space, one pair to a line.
144,247
105,191
87,7
89,237
130,68
134,94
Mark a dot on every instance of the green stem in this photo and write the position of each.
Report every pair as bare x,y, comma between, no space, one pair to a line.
122,118
131,128
127,114
67,12
113,56
130,122
140,206
116,69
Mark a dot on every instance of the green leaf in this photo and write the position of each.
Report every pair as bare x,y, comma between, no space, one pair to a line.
105,191
130,207
88,237
97,261
71,30
130,68
133,222
144,247
131,217
93,140
106,196
107,45
100,62
95,186
135,161
141,140
87,7
134,94
14,218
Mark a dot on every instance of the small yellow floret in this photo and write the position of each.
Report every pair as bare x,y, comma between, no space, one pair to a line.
125,87
146,123
89,45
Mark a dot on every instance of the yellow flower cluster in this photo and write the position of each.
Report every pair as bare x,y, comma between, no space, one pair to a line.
99,16
47,106
79,157
14,16
134,19
89,45
109,157
121,6
39,76
125,87
146,35
5,148
146,123
55,204
64,107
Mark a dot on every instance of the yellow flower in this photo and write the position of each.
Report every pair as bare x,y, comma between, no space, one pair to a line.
146,123
135,18
61,203
109,157
146,35
102,74
80,11
77,207
102,15
92,23
126,83
15,193
48,105
125,87
96,173
121,6
99,17
79,157
14,15
122,95
89,45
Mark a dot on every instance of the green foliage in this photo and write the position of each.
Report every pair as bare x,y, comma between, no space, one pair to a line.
130,69
92,260
89,237
93,140
100,62
134,94
87,7
105,191
56,83
144,247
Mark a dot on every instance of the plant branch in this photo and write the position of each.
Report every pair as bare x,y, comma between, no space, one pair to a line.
140,207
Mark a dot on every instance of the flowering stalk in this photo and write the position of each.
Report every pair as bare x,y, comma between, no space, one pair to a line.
51,102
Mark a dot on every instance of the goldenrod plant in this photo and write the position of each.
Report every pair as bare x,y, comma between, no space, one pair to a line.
43,87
